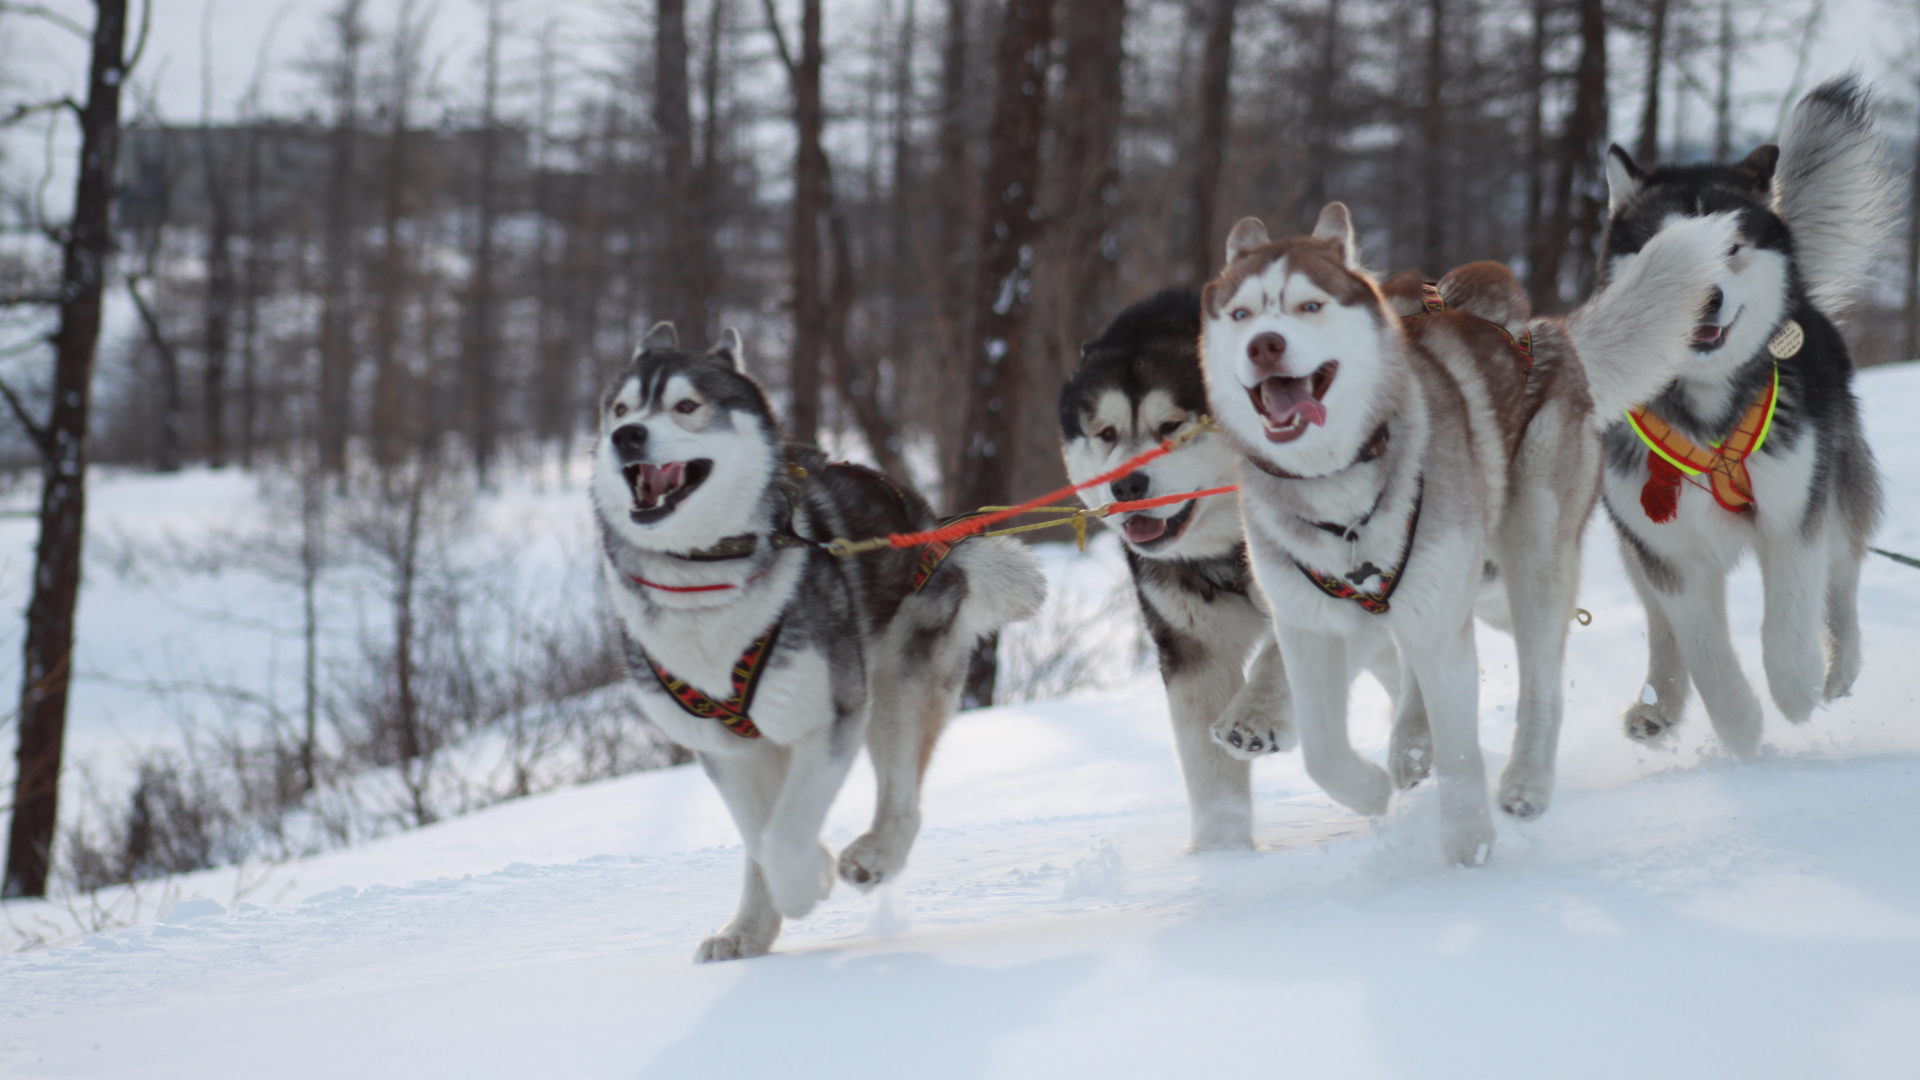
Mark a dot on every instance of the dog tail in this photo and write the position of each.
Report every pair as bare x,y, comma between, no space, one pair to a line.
1004,584
1633,335
1836,188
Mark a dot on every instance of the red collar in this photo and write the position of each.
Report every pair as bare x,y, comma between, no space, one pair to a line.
638,580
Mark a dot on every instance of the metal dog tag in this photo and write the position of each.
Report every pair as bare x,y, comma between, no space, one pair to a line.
1787,342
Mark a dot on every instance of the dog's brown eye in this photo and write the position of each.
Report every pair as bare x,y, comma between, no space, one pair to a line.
1108,435
1170,428
619,410
686,406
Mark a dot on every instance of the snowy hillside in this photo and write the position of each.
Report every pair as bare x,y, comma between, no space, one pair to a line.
1674,914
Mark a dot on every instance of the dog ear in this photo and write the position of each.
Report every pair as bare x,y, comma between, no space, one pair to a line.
662,336
1248,233
730,351
1624,178
1336,224
1759,165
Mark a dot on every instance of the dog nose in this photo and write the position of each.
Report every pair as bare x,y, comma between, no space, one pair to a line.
631,440
1267,351
1132,486
1714,300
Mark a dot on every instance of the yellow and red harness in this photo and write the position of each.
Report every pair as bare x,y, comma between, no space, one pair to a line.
732,713
1672,457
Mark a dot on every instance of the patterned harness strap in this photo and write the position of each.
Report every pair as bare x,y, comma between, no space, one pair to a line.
1672,456
1375,603
745,677
1434,303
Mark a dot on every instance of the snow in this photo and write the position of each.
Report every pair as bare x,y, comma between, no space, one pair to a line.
1674,914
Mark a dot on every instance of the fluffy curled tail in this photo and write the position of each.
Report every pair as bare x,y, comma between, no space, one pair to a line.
1633,335
1836,188
1004,584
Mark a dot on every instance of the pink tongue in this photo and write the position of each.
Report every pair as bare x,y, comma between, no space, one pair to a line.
1141,528
656,481
1706,332
1285,399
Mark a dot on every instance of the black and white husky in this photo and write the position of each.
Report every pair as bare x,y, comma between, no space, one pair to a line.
1757,445
1139,384
1399,471
771,659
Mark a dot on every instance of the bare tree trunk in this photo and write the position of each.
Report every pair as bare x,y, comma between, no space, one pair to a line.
1539,256
250,290
390,426
1723,91
704,273
1089,136
219,299
809,201
1216,80
46,667
1586,142
953,189
1647,150
1913,253
682,274
1433,145
167,454
336,313
483,338
1002,294
1321,126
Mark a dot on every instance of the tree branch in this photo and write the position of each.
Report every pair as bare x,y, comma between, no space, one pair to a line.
41,11
780,41
35,431
32,108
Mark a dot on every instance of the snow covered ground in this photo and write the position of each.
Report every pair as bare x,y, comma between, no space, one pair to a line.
1674,914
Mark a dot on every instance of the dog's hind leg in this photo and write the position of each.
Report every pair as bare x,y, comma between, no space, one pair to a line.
1446,673
1317,667
1793,577
748,783
1663,696
909,712
1540,562
1843,617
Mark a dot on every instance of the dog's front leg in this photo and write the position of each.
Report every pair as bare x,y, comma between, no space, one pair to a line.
1663,697
1697,611
798,867
1446,673
1843,615
1201,693
1317,667
1793,578
748,782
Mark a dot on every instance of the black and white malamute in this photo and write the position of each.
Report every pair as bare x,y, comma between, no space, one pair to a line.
771,659
1757,445
1397,472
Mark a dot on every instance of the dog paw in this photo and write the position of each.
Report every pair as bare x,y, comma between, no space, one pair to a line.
869,861
730,945
798,876
1247,734
1468,843
1410,758
1524,798
1842,670
1650,723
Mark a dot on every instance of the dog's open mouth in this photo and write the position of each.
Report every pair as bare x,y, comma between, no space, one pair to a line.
1288,406
657,489
1710,336
1144,530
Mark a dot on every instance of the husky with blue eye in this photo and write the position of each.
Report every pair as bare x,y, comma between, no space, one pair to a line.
1398,472
771,659
1757,445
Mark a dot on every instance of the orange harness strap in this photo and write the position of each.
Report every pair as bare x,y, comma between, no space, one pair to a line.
1671,457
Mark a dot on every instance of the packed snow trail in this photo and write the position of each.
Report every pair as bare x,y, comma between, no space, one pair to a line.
1675,914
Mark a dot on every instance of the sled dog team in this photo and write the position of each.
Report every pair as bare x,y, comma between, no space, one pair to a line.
1409,455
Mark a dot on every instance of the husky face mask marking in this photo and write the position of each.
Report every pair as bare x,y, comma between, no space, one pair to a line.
686,442
1114,427
1296,340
